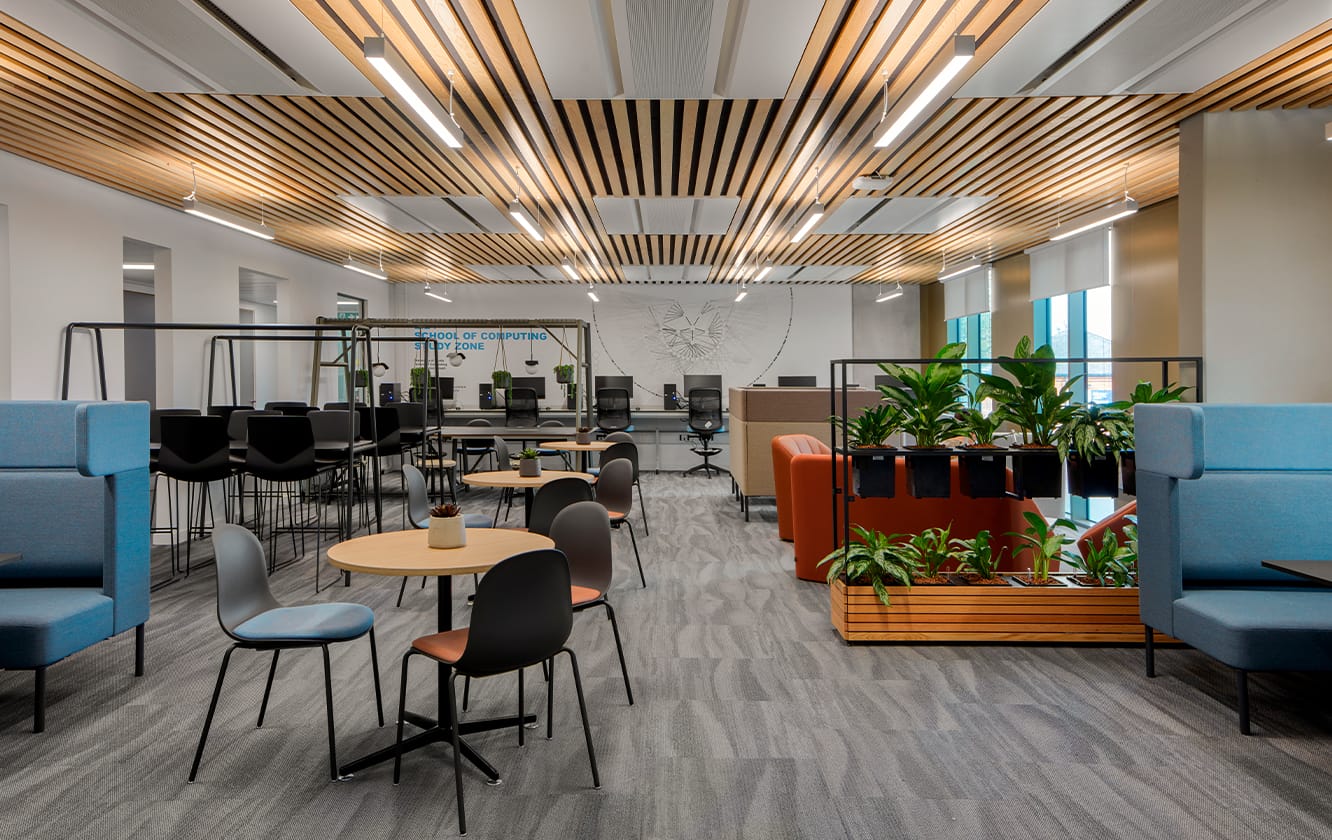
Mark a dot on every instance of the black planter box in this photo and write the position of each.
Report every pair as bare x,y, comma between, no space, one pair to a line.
930,476
983,474
1038,474
1094,478
1128,471
875,475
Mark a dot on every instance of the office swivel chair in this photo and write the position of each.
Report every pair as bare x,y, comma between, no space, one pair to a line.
520,408
613,410
705,420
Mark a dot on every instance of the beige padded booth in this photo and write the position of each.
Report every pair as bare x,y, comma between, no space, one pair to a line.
757,415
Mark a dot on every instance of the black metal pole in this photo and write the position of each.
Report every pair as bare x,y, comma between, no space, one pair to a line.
101,362
64,379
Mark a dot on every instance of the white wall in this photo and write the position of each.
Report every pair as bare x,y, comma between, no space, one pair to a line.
1255,287
884,330
65,252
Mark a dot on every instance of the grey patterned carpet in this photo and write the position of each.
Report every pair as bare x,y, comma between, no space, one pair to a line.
753,720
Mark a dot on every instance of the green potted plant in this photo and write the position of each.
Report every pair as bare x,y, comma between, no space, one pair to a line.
583,435
529,463
1044,542
872,559
931,550
1103,565
976,561
927,403
447,527
1089,441
502,380
564,374
418,378
571,397
1029,399
1142,393
982,469
872,458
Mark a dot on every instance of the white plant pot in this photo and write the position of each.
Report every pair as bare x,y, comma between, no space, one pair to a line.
529,467
583,438
447,532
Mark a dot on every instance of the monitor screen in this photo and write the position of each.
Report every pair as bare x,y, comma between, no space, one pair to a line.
797,382
625,382
705,380
536,383
441,386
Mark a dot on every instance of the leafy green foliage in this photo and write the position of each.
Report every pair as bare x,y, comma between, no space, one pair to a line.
977,556
1028,397
564,372
501,378
872,558
930,550
1104,561
929,399
418,375
1093,430
529,454
980,427
1143,393
1044,542
1128,552
873,427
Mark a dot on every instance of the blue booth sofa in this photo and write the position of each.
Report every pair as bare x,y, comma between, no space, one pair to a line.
74,504
1222,488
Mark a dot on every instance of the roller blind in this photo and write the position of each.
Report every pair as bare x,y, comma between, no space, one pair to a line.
1073,265
967,294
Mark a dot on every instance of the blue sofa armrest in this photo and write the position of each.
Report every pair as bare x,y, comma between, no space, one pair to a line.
111,437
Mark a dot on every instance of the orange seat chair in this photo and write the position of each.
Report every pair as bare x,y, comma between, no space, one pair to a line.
784,449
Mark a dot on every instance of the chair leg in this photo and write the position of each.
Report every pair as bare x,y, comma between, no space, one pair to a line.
268,688
642,509
1242,696
39,699
328,705
549,666
520,708
467,690
212,708
401,589
582,710
637,559
402,712
619,649
457,753
138,651
374,665
1149,649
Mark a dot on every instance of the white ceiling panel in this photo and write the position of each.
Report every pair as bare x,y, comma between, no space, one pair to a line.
665,273
759,58
434,213
898,215
386,212
666,216
520,273
813,273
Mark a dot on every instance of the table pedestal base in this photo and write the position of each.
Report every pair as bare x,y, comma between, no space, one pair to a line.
433,734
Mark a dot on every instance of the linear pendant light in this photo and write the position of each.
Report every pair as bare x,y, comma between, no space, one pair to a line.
763,272
195,207
592,293
1094,219
812,216
890,295
926,89
743,293
404,81
519,215
365,268
569,269
435,295
958,271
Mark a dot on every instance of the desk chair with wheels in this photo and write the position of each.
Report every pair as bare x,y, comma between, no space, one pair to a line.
705,420
613,410
521,617
254,620
520,408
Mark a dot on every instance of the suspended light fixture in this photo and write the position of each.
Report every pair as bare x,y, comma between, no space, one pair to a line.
369,270
743,293
192,205
812,216
943,68
409,87
569,269
763,272
592,293
1097,218
958,271
519,215
435,295
891,294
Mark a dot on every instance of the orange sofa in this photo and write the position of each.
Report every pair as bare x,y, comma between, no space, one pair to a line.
1114,522
810,506
784,449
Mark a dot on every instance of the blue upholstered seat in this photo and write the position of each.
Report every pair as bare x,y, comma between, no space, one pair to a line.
311,622
44,625
1259,629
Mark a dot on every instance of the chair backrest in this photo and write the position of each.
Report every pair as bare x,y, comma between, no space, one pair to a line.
705,409
521,614
620,449
501,452
551,424
476,444
411,415
224,411
341,406
553,497
291,408
383,422
194,447
620,437
242,577
331,425
238,422
520,408
613,409
155,420
615,486
418,497
281,448
582,531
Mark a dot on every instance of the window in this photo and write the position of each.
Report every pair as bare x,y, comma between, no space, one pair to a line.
974,331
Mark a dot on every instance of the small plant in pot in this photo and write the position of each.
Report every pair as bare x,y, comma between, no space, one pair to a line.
872,559
977,563
583,435
447,527
418,375
1089,441
1029,399
1044,543
529,463
502,380
1103,565
931,550
1142,393
927,403
873,459
982,468
564,374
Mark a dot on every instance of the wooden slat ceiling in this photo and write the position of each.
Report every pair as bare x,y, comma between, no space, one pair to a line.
1034,157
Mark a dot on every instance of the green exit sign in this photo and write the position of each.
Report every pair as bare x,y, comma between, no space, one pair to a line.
348,316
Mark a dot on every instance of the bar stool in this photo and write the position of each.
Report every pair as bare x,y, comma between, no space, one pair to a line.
195,451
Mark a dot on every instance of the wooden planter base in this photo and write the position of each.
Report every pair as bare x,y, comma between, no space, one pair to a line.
971,614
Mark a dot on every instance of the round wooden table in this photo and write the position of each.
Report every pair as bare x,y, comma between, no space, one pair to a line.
408,553
528,484
581,448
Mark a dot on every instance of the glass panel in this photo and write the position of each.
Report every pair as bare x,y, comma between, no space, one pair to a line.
1100,383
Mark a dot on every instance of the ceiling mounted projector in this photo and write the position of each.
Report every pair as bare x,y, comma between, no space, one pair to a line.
871,183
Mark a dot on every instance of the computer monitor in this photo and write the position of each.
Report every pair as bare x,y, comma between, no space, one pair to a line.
536,383
625,382
441,386
797,382
701,380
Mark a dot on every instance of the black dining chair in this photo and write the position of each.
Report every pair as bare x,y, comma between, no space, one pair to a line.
288,408
553,497
615,492
627,450
705,420
472,451
520,408
418,513
411,425
521,617
254,620
613,410
550,453
194,451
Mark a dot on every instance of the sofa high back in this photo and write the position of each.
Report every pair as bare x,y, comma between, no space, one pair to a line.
74,504
786,448
1221,488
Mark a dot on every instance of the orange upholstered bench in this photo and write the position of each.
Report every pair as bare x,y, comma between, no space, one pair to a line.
785,448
